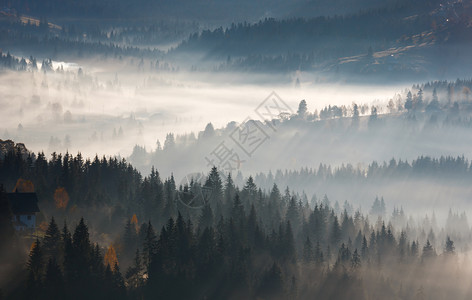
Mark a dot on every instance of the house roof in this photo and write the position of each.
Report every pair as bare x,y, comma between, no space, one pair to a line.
23,202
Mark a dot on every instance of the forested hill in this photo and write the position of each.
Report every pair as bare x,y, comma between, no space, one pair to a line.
300,34
400,39
221,11
240,242
423,116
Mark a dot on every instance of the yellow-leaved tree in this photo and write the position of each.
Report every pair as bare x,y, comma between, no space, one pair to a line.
110,258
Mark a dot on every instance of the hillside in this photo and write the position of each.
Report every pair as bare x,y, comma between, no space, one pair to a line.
217,11
403,40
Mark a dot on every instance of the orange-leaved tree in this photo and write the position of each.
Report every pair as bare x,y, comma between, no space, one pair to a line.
110,258
134,221
61,198
24,186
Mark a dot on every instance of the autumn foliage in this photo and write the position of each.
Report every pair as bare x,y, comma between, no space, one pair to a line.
33,245
61,198
134,221
43,226
24,186
110,257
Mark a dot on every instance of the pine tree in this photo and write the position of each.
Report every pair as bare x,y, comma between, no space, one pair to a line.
402,244
449,248
229,191
238,213
373,244
355,260
344,254
149,245
419,100
428,251
214,183
53,281
134,274
97,269
206,217
206,252
68,253
318,253
108,286
335,232
35,272
365,248
275,196
358,240
170,196
409,101
347,226
249,192
252,226
35,262
293,214
78,262
80,239
307,250
302,109
52,240
118,280
355,115
289,243
414,249
271,283
130,239
183,239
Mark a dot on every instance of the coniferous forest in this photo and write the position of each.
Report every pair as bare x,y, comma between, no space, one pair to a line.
133,237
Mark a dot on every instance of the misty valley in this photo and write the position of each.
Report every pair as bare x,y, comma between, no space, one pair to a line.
307,149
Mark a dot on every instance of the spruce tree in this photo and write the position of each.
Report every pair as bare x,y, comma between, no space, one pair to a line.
428,251
52,240
206,217
307,250
449,248
130,239
35,272
355,260
134,274
149,245
335,232
53,281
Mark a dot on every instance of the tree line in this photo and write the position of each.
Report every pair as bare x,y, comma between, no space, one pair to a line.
238,242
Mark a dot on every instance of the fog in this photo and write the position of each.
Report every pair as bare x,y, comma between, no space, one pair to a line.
106,108
235,149
89,108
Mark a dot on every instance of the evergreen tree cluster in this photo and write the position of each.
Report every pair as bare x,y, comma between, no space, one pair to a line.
241,243
444,168
66,265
